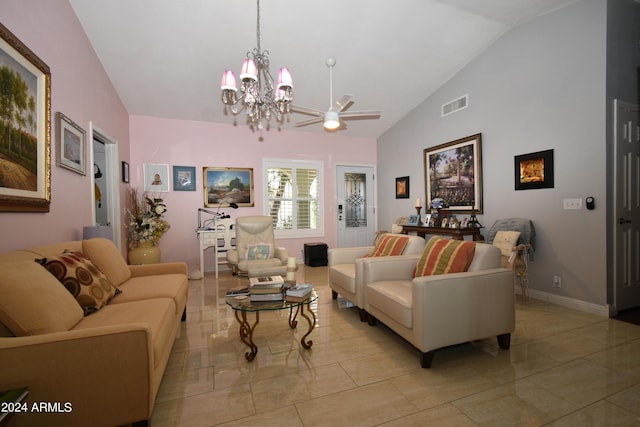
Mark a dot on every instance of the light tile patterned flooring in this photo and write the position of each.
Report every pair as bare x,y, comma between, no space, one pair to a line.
564,368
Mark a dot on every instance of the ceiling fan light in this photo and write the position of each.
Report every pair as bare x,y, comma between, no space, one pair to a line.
228,81
249,71
285,81
331,120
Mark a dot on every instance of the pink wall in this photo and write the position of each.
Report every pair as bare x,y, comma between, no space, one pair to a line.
82,91
200,144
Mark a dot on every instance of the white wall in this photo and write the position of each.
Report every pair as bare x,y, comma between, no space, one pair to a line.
540,86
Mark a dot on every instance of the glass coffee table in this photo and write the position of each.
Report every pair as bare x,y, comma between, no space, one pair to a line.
242,305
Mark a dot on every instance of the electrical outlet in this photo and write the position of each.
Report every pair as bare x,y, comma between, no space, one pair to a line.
557,281
572,204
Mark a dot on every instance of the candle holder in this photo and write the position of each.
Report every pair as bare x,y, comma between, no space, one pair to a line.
418,209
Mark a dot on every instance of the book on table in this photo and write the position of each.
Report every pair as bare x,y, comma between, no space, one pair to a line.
266,297
265,280
299,292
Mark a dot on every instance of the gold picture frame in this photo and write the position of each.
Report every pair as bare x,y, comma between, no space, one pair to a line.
25,134
223,186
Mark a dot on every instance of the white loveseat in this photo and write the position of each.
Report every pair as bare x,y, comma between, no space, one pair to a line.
433,312
345,269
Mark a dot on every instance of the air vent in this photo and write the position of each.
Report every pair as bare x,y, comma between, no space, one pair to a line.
455,105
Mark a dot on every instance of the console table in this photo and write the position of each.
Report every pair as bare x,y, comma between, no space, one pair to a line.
455,233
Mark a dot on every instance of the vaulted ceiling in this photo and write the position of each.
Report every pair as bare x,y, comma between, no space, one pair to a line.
166,57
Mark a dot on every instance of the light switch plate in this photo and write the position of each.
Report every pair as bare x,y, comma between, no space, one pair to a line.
572,204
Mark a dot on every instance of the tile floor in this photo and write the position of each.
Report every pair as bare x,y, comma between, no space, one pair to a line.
564,368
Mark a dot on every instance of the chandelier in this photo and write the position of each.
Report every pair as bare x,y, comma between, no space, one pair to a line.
259,96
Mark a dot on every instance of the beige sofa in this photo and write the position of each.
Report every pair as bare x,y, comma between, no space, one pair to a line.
436,311
103,368
345,269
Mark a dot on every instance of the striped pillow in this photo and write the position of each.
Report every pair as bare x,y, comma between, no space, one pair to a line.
442,256
389,245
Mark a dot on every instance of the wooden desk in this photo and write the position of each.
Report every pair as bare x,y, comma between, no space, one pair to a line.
455,233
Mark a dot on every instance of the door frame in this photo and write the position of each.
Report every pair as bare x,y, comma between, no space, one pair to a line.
112,191
340,169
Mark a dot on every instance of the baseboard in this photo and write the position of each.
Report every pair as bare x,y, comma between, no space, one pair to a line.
600,310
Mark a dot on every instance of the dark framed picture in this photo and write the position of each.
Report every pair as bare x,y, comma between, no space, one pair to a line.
156,178
226,185
184,178
413,220
72,145
534,170
453,172
25,143
125,172
402,187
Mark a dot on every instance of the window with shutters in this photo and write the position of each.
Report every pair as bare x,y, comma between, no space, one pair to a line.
293,192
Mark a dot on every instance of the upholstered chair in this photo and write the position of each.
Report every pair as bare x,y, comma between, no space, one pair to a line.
345,265
255,253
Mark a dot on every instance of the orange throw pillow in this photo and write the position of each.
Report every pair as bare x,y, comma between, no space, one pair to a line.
389,245
442,256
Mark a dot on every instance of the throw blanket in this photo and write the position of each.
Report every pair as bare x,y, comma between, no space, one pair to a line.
524,226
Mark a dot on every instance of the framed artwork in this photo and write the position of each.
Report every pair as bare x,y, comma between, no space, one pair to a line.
125,172
453,172
402,187
156,178
534,170
25,140
72,145
413,220
225,185
184,178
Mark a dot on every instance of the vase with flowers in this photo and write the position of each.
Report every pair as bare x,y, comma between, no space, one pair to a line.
146,226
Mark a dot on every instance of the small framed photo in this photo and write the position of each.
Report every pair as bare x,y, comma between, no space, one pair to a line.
156,178
402,187
413,220
184,178
534,170
427,220
71,145
125,172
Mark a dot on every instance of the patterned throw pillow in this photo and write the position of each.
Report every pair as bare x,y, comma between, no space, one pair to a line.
258,251
82,279
389,245
442,256
506,241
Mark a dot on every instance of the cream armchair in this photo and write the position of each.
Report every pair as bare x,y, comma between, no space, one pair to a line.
255,253
345,269
436,311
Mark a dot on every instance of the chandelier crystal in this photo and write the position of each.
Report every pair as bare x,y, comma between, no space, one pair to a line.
259,96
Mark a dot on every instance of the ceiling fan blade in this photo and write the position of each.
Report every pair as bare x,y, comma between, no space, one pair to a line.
307,111
309,122
360,115
343,103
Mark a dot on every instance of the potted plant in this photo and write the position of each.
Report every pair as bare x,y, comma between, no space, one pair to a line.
146,226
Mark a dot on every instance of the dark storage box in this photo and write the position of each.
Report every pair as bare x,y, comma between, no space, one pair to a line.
315,254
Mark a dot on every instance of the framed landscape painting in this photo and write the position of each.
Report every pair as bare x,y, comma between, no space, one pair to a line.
453,172
25,128
223,186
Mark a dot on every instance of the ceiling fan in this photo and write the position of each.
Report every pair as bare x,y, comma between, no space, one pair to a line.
333,119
